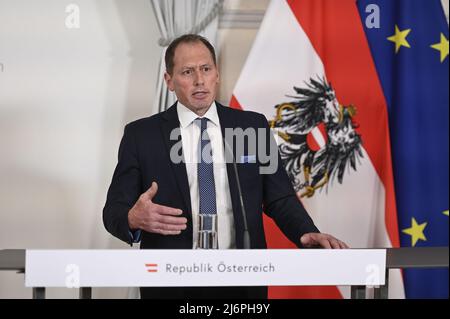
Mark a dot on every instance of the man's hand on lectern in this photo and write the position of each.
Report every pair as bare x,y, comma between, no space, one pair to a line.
319,240
154,218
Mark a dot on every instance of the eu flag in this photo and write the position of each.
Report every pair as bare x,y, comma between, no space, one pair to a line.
409,44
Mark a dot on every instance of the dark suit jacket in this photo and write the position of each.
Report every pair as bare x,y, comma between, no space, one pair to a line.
144,157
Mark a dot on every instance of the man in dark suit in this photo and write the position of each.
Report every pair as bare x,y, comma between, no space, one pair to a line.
156,198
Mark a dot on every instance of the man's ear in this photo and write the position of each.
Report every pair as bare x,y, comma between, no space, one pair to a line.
168,80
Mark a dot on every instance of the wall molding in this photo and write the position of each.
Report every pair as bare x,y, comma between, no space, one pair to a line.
251,19
239,19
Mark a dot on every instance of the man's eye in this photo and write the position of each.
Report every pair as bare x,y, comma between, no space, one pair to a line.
187,72
207,69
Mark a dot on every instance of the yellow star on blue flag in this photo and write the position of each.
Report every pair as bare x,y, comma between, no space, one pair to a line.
442,47
399,38
416,232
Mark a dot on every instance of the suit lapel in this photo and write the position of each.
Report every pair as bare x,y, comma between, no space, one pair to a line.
171,123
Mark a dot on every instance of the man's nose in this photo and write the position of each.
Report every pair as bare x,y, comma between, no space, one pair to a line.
199,79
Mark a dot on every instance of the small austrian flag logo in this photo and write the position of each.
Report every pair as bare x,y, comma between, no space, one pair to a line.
151,267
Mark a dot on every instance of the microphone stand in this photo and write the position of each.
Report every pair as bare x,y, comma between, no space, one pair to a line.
246,236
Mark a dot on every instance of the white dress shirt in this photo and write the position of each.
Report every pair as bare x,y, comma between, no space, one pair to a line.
190,136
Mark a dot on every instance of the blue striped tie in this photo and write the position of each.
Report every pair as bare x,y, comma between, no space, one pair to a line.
205,174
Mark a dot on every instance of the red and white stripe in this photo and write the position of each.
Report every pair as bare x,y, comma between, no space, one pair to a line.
317,138
303,39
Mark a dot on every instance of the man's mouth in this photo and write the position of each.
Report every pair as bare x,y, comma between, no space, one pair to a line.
200,94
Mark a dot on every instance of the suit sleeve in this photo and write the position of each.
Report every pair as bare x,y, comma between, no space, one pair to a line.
279,199
124,190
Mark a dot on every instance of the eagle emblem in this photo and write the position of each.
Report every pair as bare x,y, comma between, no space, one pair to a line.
319,143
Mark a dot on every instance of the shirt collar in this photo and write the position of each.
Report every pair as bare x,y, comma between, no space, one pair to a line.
186,116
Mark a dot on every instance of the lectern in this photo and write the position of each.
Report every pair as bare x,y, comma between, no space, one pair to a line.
84,269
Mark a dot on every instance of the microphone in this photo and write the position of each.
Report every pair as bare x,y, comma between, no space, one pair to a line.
246,237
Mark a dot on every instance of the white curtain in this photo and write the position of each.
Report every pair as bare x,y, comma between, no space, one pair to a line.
178,17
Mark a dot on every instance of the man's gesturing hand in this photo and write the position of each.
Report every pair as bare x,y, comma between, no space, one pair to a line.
154,218
312,240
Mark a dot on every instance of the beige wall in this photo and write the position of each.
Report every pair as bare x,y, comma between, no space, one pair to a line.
65,95
445,4
234,46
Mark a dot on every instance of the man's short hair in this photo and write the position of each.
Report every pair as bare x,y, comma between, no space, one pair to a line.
187,38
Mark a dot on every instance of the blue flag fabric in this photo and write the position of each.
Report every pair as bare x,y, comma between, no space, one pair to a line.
409,45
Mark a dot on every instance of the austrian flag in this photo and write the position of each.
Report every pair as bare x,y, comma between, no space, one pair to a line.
310,72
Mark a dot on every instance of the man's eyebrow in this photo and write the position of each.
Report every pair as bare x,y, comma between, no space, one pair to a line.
193,67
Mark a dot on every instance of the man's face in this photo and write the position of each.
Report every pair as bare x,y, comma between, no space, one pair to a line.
195,77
